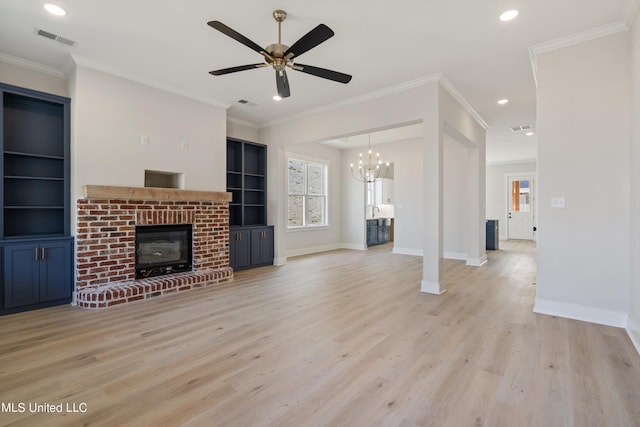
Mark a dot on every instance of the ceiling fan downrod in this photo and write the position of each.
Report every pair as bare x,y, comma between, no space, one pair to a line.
279,15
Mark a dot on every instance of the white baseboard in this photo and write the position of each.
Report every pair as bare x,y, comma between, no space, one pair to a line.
454,255
407,251
355,247
581,312
279,261
431,288
312,250
633,330
477,262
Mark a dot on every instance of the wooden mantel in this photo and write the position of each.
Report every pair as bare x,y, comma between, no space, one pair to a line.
153,193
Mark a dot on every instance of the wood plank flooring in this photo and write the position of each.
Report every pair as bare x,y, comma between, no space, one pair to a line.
343,338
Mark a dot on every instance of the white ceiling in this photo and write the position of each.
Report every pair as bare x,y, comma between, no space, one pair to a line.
167,44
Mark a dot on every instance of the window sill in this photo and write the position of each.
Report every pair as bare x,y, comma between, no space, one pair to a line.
299,229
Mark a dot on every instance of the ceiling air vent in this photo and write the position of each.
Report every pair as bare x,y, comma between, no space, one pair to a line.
56,37
521,128
247,103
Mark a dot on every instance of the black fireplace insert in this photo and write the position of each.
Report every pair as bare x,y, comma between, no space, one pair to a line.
163,249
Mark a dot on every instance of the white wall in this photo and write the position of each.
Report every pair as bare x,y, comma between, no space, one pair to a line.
406,157
242,130
458,124
497,198
111,116
583,155
455,199
352,207
22,77
634,313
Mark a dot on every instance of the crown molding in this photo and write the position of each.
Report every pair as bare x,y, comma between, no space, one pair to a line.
391,90
574,39
585,36
79,60
356,100
632,10
241,122
455,93
534,66
31,65
511,162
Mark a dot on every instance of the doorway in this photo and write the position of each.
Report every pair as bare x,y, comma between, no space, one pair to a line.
520,206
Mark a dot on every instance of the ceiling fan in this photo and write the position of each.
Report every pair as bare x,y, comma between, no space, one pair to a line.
280,56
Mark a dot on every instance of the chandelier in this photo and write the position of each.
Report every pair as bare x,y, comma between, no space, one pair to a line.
370,169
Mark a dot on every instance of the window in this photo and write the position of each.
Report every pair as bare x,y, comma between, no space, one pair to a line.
307,194
520,196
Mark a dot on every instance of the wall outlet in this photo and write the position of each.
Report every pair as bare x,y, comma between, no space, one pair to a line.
184,146
144,140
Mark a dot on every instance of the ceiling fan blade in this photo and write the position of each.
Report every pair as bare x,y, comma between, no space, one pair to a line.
310,40
236,36
323,72
236,69
282,83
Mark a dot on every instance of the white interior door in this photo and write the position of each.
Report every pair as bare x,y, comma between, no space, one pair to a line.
520,205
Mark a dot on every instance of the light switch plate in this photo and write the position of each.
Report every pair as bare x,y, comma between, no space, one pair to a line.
557,202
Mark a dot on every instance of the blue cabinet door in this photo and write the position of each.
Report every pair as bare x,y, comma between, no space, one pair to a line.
383,234
55,271
372,232
240,249
262,246
21,275
37,272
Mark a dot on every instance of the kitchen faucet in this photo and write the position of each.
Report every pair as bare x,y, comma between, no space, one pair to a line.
373,211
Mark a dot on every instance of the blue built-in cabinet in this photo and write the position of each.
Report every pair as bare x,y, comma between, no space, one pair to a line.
378,231
250,238
37,273
35,240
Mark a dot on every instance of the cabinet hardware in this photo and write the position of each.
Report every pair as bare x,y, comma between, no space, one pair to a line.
42,254
36,254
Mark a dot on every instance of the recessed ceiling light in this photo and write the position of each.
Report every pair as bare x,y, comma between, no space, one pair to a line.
508,15
277,98
54,9
529,133
503,101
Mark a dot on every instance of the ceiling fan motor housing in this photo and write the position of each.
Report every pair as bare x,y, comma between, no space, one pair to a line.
277,51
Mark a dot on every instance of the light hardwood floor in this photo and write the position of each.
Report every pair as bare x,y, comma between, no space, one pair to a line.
343,338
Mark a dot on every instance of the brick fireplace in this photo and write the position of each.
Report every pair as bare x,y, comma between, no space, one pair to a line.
106,225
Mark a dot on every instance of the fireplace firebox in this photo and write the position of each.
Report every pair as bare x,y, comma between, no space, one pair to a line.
163,249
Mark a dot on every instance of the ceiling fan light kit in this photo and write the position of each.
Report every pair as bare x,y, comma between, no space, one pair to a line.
280,56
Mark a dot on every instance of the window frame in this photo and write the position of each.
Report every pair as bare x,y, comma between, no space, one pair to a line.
324,164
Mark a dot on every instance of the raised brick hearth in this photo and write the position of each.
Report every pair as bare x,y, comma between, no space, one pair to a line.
106,242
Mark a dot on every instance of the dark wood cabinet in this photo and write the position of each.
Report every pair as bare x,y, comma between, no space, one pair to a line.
250,239
35,197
